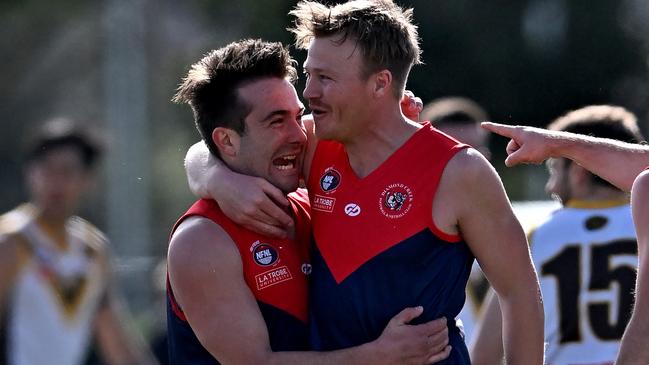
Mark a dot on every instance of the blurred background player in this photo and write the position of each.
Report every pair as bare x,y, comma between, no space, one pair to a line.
55,287
585,253
460,118
603,157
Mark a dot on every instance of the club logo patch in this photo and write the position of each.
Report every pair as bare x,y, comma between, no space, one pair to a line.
352,209
306,269
264,254
330,180
395,200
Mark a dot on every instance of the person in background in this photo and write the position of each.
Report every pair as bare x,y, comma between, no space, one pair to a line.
585,253
158,341
459,117
56,290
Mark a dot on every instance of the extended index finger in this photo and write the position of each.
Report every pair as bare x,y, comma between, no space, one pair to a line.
501,129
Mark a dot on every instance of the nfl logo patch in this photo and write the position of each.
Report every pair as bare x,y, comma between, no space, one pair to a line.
265,255
330,180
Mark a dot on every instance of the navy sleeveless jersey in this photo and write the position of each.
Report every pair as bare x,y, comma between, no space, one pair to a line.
275,271
377,250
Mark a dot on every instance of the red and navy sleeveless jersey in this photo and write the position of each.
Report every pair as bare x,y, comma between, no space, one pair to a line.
275,271
377,250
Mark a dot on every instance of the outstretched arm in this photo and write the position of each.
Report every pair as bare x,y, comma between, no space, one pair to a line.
205,272
633,349
119,345
9,266
252,202
615,161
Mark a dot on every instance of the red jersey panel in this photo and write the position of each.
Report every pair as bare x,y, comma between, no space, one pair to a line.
356,219
274,269
377,250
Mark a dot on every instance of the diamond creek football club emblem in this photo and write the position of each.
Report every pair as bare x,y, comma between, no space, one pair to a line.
330,180
395,200
264,254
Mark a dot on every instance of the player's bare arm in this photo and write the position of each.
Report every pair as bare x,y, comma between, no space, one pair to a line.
119,345
598,155
471,201
210,288
633,349
250,201
9,265
487,348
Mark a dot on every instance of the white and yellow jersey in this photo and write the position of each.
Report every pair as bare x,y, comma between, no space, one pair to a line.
529,213
57,291
586,258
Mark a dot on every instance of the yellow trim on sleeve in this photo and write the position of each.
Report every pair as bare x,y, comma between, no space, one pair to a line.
596,204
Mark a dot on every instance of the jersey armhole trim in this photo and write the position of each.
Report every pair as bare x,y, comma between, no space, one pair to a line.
451,238
175,307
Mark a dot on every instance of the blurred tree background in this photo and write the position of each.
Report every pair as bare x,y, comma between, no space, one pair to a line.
115,64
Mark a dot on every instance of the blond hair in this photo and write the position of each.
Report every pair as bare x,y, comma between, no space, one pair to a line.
384,32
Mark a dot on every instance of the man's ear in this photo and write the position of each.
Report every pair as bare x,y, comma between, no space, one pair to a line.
382,83
227,141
